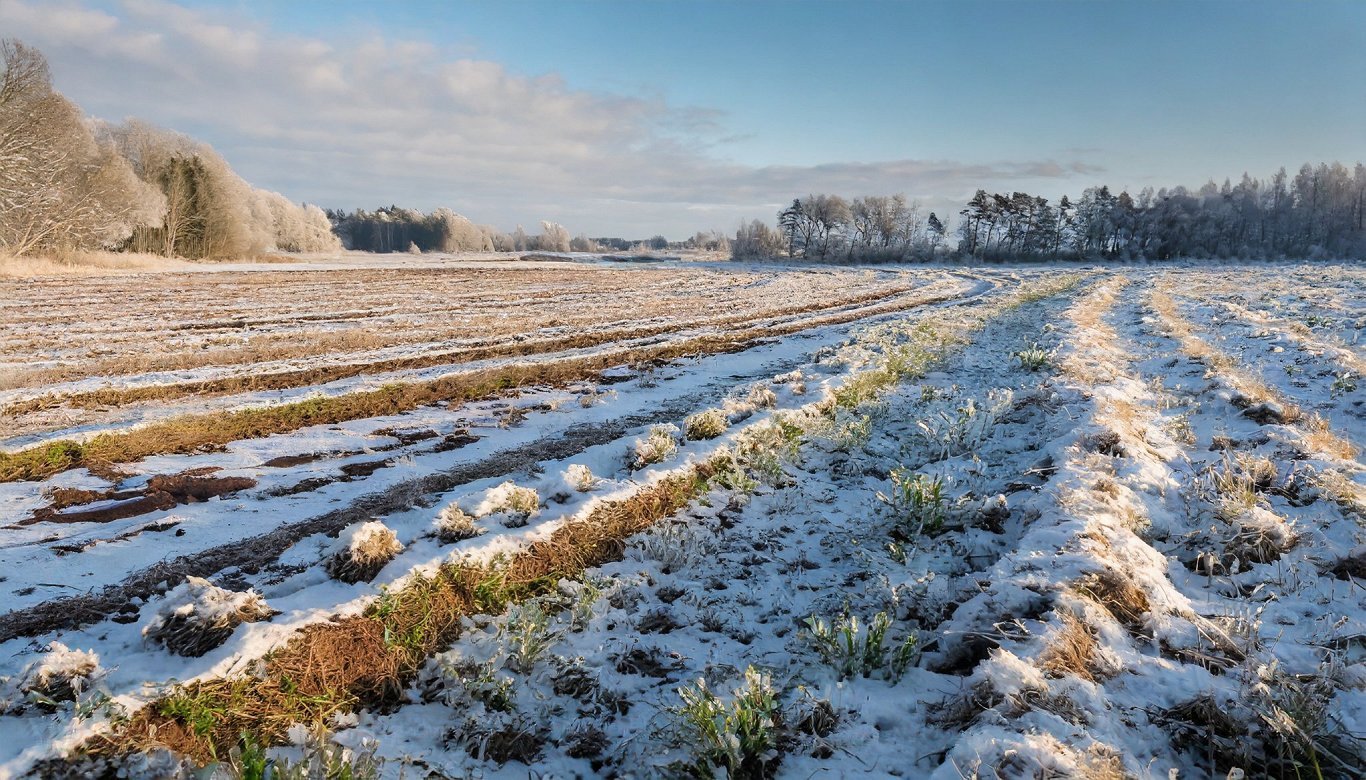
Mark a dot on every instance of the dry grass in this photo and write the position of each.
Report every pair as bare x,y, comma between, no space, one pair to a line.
452,525
1119,594
202,616
705,425
367,661
371,548
86,263
1091,361
192,433
1071,649
1259,399
1319,439
289,346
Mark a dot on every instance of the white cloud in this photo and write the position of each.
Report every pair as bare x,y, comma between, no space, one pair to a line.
387,121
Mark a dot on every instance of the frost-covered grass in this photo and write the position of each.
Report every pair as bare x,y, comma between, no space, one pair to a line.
928,560
657,446
705,425
369,548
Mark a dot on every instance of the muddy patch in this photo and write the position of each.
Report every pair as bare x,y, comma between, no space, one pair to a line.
162,492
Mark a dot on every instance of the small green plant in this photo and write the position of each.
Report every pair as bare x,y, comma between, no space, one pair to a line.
529,635
732,476
200,712
946,432
855,649
325,759
584,605
740,738
918,503
897,552
851,432
1344,384
248,760
705,425
1033,358
481,682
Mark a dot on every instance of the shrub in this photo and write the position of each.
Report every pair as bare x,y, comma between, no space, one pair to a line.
705,425
371,547
452,524
656,447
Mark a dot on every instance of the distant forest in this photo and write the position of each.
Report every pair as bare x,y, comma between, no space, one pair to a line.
1316,214
71,183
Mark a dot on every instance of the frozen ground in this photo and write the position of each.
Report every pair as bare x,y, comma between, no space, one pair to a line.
1014,524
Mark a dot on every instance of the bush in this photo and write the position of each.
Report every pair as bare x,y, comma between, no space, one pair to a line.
656,447
371,547
705,425
452,524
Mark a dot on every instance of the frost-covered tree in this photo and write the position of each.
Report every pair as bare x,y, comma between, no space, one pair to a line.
755,240
59,187
296,228
553,238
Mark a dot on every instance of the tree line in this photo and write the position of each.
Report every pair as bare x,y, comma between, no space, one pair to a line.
68,183
1318,213
397,229
829,228
71,183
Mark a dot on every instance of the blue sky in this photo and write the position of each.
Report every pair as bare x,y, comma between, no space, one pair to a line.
723,110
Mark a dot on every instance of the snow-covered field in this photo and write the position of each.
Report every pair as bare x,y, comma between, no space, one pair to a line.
907,522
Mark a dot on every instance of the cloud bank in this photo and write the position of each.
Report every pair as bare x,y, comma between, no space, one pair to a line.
383,121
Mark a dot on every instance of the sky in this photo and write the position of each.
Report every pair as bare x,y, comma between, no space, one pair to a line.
643,117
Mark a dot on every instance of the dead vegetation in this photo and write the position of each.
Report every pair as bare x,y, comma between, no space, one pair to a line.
371,547
368,660
1119,594
199,616
1071,649
198,432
